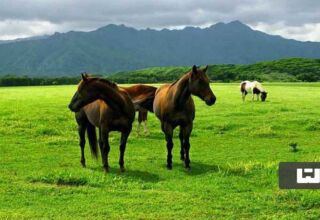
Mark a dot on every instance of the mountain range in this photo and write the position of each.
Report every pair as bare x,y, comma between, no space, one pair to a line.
119,48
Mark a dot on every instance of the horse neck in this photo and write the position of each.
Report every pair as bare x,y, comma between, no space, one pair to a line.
112,97
259,86
182,92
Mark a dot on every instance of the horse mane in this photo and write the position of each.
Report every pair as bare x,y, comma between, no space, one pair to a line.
184,75
174,82
108,82
104,81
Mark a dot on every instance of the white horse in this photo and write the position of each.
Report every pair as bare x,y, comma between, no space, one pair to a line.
253,87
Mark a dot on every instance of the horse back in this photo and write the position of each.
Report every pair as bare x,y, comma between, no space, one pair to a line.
139,91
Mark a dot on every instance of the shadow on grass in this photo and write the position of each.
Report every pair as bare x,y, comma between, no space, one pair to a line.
198,168
59,179
154,136
141,175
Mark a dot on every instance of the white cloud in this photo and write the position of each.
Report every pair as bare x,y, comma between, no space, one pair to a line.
305,32
291,18
12,29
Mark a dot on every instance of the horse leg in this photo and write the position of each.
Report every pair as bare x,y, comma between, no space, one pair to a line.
146,131
82,132
182,157
168,131
123,142
145,115
138,128
100,142
139,121
105,148
186,131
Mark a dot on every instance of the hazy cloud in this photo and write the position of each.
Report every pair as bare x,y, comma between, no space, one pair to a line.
291,18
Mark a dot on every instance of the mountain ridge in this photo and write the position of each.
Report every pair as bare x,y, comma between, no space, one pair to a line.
113,48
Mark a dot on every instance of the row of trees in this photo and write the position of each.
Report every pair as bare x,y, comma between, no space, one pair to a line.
36,81
290,70
224,77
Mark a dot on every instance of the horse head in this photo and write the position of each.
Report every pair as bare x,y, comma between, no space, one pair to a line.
263,96
199,85
85,93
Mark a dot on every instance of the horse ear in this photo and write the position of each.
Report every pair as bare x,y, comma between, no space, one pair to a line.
205,69
84,77
194,69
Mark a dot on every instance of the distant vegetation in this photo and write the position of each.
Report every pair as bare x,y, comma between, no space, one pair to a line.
285,70
11,80
289,70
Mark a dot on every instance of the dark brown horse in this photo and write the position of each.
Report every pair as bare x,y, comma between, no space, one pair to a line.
142,93
113,111
173,105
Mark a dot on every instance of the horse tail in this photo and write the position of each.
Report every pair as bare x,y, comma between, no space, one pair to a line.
145,103
243,87
92,137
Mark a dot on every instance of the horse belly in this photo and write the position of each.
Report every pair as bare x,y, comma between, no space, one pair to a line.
120,124
178,118
248,87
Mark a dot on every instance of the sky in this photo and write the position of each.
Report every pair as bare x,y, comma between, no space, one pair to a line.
294,19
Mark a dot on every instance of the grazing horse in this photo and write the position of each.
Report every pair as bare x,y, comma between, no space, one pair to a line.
140,93
174,106
101,103
253,87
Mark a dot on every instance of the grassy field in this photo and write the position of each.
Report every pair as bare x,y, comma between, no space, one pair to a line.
235,151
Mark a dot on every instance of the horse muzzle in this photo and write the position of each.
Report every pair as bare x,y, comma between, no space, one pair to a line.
73,108
210,101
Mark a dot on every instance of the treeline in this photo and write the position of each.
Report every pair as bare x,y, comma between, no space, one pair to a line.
285,70
10,80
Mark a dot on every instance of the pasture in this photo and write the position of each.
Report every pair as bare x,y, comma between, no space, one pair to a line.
235,151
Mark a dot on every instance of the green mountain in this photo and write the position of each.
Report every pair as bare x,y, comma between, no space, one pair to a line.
119,48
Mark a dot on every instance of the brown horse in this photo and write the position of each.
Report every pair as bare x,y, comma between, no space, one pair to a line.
173,105
113,111
140,93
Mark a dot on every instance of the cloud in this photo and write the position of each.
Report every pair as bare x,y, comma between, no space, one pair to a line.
305,32
292,18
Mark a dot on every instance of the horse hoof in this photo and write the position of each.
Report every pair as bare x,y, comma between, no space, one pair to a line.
83,164
169,167
122,169
188,168
106,169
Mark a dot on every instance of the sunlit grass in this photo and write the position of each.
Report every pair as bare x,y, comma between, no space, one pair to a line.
235,151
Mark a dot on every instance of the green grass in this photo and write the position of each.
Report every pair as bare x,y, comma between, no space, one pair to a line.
235,151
